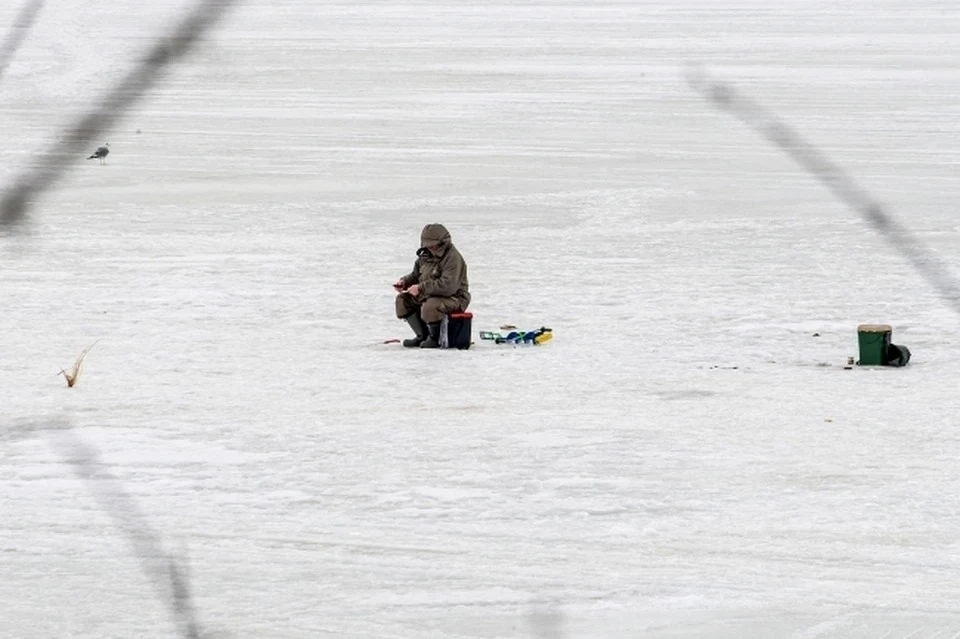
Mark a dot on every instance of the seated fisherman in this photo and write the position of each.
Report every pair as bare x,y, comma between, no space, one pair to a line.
436,286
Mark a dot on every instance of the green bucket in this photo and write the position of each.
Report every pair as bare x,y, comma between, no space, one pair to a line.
874,340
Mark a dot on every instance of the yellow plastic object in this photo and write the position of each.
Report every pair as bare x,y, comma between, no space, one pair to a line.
545,337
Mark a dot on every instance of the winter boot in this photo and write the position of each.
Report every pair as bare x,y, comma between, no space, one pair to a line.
433,341
419,328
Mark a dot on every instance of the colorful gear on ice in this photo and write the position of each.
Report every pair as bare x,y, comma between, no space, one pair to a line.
538,336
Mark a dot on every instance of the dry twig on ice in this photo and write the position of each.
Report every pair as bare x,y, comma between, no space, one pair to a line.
75,370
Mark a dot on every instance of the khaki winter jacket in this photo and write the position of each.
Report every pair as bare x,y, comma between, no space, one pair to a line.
444,276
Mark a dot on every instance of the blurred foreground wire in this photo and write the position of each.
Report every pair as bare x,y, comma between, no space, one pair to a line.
922,258
166,572
51,166
547,622
18,32
168,576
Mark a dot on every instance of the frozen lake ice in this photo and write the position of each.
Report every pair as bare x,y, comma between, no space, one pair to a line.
684,459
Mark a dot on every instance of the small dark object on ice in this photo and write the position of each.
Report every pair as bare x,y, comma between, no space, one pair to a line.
816,334
101,153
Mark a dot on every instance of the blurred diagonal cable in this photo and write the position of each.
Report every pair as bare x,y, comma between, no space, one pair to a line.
547,622
54,162
18,32
168,577
924,260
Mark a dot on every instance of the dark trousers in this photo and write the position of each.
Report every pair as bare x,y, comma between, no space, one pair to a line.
432,309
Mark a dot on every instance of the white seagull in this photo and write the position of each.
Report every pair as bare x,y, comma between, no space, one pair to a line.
101,153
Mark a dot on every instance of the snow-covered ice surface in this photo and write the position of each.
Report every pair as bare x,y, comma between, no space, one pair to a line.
684,459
